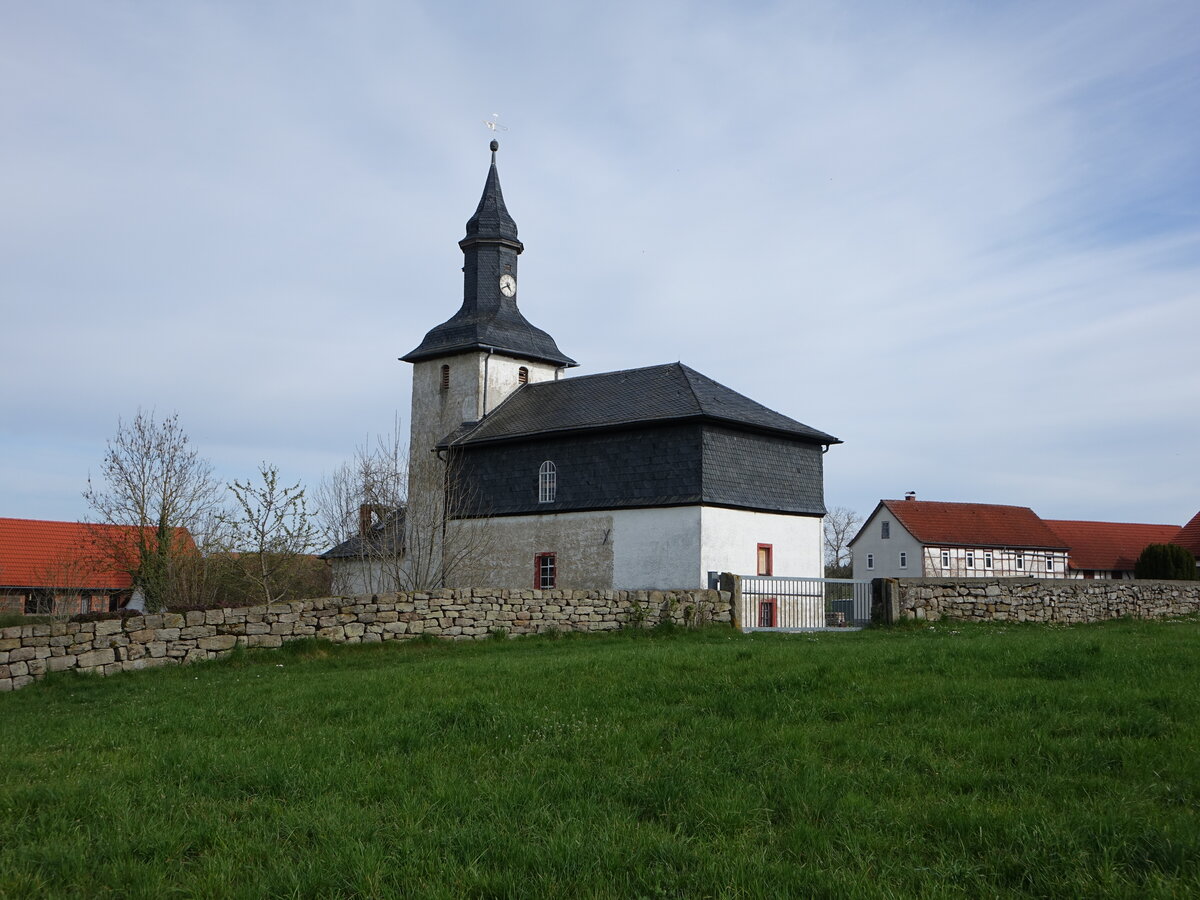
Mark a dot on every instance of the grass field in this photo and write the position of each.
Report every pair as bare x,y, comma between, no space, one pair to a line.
945,761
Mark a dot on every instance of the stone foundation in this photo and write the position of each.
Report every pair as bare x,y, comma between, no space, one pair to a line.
108,646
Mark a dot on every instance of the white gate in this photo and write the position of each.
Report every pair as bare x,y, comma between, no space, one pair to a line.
799,604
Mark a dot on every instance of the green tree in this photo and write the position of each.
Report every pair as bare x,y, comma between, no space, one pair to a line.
1167,561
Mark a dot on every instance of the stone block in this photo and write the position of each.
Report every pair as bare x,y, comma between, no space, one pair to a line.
193,632
157,649
21,653
108,626
214,616
6,684
173,620
10,643
166,634
218,642
21,680
94,658
60,664
264,640
143,636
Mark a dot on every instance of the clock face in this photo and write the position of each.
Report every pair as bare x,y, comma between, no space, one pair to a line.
508,285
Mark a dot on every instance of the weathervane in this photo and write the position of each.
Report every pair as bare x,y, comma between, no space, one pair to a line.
493,124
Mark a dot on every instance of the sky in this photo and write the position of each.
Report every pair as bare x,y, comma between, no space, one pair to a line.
964,238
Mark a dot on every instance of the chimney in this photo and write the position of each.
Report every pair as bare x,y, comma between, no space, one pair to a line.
910,495
364,518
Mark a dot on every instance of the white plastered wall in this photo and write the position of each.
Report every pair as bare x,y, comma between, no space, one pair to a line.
731,539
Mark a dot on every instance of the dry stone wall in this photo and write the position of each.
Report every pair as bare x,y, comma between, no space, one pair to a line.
108,646
1059,601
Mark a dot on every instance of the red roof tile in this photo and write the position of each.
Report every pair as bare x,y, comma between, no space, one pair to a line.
974,524
40,554
1189,536
1109,546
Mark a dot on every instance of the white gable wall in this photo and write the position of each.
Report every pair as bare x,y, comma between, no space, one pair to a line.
884,553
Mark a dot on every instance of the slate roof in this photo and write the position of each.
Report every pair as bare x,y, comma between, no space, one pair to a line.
630,397
384,538
1109,546
973,524
39,554
1189,536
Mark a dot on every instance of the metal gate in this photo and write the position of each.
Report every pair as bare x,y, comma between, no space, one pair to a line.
799,604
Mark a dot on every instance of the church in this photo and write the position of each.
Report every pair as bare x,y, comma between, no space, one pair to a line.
648,478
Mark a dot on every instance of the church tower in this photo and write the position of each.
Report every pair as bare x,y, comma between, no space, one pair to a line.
466,366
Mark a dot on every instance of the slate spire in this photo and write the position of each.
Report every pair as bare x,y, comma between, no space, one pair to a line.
488,318
491,219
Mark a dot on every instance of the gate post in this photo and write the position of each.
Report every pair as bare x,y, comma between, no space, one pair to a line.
885,601
733,584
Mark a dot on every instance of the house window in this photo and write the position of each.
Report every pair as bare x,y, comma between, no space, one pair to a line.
522,375
903,560
765,561
970,559
885,530
445,378
547,482
766,613
545,571
1020,561
945,559
39,603
1049,563
987,559
870,560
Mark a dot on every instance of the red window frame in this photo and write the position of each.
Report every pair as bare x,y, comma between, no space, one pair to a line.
766,613
545,567
769,567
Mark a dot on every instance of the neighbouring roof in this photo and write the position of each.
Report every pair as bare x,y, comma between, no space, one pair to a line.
1109,546
384,538
1189,536
973,524
39,554
630,397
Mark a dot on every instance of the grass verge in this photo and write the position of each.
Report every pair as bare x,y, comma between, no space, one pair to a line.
931,761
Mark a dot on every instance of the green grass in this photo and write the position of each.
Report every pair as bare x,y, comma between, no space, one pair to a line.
921,762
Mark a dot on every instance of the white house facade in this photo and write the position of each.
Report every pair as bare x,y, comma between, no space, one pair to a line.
913,538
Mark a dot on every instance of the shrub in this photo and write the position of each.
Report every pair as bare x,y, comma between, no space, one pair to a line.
1168,561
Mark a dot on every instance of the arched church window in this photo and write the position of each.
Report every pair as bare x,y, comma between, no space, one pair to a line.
445,378
522,375
547,482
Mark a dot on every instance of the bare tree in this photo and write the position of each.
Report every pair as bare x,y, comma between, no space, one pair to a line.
153,479
270,529
361,512
447,531
841,524
395,525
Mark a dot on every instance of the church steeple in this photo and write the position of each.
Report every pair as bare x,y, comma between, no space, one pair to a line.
488,318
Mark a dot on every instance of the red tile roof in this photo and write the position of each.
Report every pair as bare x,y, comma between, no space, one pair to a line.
1189,536
974,524
40,554
1109,546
